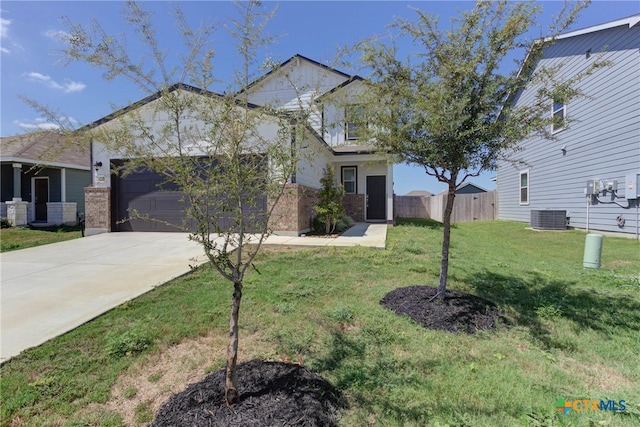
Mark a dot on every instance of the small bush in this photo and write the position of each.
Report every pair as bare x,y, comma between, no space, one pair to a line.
343,224
128,343
4,223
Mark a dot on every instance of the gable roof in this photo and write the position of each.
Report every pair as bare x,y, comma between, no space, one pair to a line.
153,97
295,57
476,188
527,64
352,79
45,148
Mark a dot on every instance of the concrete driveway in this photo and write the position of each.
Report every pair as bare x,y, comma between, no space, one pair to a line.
49,290
52,289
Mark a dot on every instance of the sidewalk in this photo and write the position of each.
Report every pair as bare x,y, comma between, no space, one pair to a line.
361,234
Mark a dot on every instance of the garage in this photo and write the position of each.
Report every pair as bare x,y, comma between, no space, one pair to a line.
162,203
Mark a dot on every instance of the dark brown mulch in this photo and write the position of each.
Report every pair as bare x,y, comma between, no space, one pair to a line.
459,312
271,394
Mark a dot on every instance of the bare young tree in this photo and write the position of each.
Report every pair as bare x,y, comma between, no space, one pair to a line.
446,108
230,159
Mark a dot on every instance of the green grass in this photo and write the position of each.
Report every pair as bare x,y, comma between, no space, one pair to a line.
15,238
574,333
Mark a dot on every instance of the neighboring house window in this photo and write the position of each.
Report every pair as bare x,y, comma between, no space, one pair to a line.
353,121
559,116
349,179
524,187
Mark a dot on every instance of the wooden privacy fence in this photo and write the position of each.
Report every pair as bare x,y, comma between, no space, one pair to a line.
467,207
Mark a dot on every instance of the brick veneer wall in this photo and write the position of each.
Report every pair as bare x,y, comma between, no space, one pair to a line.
97,209
354,206
294,211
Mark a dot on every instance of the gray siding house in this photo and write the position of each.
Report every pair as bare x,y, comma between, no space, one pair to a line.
598,151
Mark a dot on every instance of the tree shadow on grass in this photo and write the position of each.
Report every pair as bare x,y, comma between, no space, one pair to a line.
360,366
533,298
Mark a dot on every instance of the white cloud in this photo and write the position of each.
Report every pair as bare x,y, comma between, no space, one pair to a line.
41,123
4,34
58,35
68,86
74,86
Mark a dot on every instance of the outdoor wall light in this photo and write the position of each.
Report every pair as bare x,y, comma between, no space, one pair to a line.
97,165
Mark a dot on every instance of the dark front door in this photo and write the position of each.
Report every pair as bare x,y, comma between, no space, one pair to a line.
41,198
376,194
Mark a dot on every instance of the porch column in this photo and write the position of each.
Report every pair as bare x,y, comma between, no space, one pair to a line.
17,182
63,185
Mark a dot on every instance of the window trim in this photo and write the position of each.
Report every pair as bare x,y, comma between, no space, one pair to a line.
347,122
554,111
521,187
355,178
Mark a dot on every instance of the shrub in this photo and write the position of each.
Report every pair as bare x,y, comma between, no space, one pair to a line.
4,223
329,208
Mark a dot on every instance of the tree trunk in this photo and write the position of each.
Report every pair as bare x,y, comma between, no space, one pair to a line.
446,239
230,389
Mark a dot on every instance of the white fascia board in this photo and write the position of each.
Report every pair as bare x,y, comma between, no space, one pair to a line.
630,22
50,164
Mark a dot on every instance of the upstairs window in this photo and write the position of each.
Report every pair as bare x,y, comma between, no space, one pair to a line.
354,122
559,114
524,187
349,179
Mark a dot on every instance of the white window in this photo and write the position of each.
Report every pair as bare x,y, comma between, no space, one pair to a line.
524,187
349,179
353,121
559,114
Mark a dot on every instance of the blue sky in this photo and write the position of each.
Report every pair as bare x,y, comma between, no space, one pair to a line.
30,64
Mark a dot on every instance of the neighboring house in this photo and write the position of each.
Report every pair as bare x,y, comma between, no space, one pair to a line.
419,193
590,172
42,179
332,139
470,188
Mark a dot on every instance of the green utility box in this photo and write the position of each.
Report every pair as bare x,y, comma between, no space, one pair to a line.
592,251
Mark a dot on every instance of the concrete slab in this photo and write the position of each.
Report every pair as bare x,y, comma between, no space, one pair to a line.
49,290
361,234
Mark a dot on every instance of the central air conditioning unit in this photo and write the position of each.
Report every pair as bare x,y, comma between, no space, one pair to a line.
548,219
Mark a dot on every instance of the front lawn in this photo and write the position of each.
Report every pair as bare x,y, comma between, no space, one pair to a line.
15,238
573,334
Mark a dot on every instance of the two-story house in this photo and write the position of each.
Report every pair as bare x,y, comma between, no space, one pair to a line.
333,138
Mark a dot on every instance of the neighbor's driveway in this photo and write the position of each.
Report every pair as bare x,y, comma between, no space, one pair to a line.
49,290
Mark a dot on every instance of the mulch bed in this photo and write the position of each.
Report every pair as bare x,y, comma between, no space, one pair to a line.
459,312
271,394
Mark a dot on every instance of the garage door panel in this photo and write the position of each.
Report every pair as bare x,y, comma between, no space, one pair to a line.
145,192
